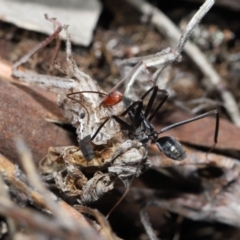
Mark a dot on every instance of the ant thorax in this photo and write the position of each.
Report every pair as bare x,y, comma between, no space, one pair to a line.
143,132
143,129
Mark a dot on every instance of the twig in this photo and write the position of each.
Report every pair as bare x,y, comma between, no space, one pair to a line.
169,29
168,55
10,222
40,46
146,224
20,186
62,218
35,220
28,165
106,228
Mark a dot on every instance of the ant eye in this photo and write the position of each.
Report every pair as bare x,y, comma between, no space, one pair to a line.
155,135
171,148
82,115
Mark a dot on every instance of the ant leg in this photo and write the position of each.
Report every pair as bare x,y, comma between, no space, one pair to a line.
160,104
130,106
135,117
194,119
155,90
85,144
85,147
122,123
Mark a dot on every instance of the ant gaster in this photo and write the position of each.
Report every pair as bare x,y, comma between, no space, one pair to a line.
142,130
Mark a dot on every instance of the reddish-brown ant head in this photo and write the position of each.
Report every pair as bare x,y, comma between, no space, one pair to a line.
112,99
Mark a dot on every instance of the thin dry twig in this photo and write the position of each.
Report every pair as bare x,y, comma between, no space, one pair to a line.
106,228
10,222
21,187
41,45
35,220
169,29
30,169
168,55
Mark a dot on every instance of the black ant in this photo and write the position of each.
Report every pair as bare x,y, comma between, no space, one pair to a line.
141,127
142,130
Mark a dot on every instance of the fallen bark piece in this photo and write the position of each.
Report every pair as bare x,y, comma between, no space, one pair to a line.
81,15
22,113
201,132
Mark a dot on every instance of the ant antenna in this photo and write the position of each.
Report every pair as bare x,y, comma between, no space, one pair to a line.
80,102
111,99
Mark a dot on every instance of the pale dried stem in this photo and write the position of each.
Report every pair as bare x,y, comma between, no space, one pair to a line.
19,184
106,228
10,222
146,224
171,31
30,169
37,221
40,46
168,55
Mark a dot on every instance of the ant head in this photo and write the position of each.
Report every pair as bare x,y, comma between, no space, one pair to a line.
171,148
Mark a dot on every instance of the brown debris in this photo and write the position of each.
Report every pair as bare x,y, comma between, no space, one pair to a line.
21,188
194,158
215,199
68,169
201,132
23,112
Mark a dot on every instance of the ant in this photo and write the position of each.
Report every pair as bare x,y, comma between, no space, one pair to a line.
141,127
142,130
